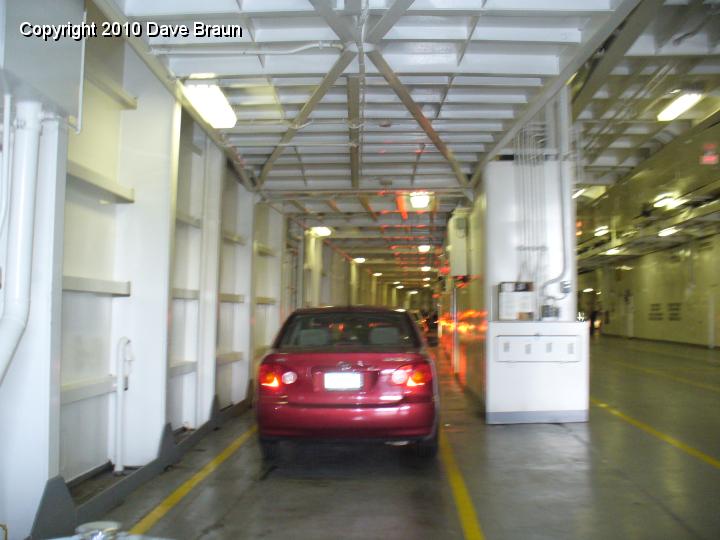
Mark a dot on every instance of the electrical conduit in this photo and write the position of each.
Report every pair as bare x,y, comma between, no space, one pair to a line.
20,230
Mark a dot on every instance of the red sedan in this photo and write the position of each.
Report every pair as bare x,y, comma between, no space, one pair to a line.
353,373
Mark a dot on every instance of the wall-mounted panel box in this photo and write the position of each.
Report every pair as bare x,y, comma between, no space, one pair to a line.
537,372
457,242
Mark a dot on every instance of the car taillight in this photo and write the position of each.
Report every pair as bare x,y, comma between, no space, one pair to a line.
273,376
412,375
269,376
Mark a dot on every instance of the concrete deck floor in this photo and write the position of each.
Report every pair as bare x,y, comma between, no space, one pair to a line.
646,466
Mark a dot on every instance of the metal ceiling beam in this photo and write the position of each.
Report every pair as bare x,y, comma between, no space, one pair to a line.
302,208
340,64
353,103
366,205
634,25
388,20
415,110
334,20
333,206
552,87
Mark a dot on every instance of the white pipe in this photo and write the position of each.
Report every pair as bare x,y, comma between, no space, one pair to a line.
20,230
244,52
564,143
5,174
123,355
81,90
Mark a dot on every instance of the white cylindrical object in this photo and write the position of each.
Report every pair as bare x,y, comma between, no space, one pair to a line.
120,359
20,230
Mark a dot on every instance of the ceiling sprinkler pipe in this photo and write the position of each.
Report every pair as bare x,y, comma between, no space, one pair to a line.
20,230
245,52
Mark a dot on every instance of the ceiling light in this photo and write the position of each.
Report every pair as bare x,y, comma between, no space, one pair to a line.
359,260
426,285
396,283
425,268
589,289
212,104
664,200
377,274
400,310
678,106
321,231
423,248
612,251
623,267
400,287
419,199
426,279
602,230
578,193
668,231
412,292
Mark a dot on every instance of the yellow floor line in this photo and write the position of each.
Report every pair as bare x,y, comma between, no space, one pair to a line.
658,373
155,515
694,452
463,503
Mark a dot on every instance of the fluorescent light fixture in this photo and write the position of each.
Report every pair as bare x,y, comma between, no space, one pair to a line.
589,289
678,106
359,260
423,248
666,200
426,279
623,267
420,199
412,292
668,231
612,251
197,76
400,310
377,274
396,283
426,285
578,193
425,268
400,287
321,231
212,104
602,230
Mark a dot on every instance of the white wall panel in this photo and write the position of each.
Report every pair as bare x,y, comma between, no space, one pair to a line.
669,295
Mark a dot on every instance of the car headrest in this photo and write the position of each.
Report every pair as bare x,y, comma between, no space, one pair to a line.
385,335
314,337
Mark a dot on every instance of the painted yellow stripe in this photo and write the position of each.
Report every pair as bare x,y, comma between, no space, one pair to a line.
463,503
694,452
658,373
149,521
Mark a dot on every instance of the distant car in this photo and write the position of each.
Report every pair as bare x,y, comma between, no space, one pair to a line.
349,374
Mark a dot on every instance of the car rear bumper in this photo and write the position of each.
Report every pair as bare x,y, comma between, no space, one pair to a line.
402,421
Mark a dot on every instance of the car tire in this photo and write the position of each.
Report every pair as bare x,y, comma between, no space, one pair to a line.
428,448
268,449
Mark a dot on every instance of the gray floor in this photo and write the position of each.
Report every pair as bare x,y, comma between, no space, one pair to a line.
607,479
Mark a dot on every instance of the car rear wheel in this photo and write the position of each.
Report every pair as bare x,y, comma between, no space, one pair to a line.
427,449
268,449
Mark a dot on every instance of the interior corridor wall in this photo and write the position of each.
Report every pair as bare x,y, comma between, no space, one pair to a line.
668,295
268,246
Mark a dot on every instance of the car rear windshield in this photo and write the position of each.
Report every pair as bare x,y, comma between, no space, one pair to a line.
348,330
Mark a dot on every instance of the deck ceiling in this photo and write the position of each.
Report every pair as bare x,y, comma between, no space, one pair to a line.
344,104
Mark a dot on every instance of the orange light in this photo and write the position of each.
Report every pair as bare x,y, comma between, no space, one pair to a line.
270,380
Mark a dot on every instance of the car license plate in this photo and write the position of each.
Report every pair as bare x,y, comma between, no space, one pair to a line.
343,381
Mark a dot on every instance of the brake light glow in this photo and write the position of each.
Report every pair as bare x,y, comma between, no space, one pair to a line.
412,375
269,375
